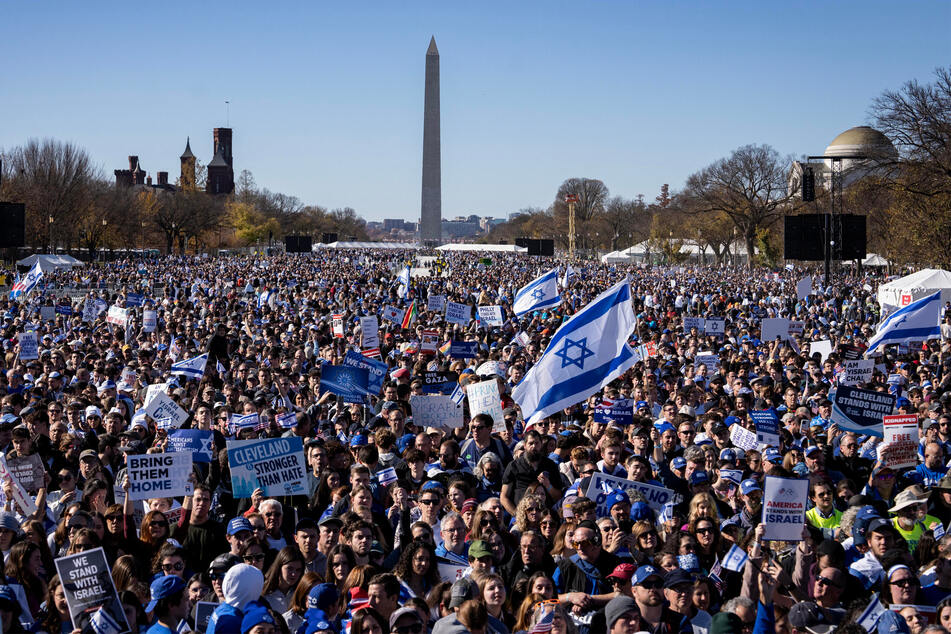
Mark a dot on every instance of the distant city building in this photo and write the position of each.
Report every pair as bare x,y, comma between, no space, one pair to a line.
135,176
858,148
221,169
220,177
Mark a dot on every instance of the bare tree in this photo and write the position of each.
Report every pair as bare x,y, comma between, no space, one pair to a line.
749,187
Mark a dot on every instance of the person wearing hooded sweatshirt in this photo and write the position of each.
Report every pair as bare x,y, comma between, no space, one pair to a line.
242,585
321,614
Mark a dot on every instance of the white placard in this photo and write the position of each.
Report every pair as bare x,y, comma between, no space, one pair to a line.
712,361
117,316
159,475
857,371
435,411
369,332
693,322
773,327
436,303
823,347
165,412
491,315
48,313
804,288
784,508
458,313
742,437
714,326
394,314
601,484
149,320
451,573
899,448
29,346
484,399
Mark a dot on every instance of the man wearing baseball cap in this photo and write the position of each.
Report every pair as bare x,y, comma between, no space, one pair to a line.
880,535
648,586
751,495
169,604
678,590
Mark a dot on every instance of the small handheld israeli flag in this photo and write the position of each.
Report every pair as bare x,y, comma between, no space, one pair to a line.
457,395
735,559
689,563
288,420
244,422
103,623
193,368
386,476
666,512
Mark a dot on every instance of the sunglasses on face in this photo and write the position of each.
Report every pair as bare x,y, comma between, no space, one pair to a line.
704,531
652,585
827,582
905,583
415,628
253,558
178,566
429,501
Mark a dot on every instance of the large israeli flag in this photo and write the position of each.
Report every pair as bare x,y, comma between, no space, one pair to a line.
541,292
404,278
587,352
193,368
918,321
23,286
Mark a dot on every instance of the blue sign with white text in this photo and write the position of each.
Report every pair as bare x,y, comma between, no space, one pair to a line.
345,381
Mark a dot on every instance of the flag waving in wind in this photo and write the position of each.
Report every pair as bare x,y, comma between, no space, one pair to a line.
193,368
404,280
28,283
918,321
586,353
541,292
566,278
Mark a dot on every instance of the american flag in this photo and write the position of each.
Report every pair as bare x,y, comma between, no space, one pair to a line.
371,352
544,623
715,571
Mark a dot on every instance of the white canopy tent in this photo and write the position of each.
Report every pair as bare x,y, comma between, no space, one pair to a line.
483,248
910,288
874,259
50,262
366,245
616,257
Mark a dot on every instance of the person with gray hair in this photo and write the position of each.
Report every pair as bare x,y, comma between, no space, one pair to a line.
743,607
453,548
489,472
273,514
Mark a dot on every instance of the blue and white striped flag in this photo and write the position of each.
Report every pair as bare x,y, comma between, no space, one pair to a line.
404,280
219,368
457,395
666,512
566,278
193,368
103,623
24,285
288,420
735,559
918,321
541,292
586,353
247,421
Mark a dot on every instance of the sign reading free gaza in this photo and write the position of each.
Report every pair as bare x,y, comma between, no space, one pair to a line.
274,465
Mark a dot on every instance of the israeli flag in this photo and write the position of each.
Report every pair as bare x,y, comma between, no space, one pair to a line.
244,422
586,353
918,321
404,280
539,293
457,395
566,278
193,368
103,623
735,559
26,284
288,420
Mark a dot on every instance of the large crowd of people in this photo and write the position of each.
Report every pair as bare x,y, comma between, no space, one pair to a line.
488,527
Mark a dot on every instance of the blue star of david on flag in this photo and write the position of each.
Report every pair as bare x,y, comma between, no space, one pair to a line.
538,294
542,292
583,353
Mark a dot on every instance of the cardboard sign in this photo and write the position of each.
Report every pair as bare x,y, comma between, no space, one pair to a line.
742,437
620,412
159,475
899,448
712,361
452,572
165,412
376,370
346,381
436,303
484,399
48,313
149,320
394,314
693,322
602,484
428,341
823,347
804,288
88,586
201,444
117,316
29,472
767,427
203,612
784,508
773,327
491,315
435,411
857,371
29,346
20,496
337,321
463,349
860,411
458,313
715,327
369,332
275,465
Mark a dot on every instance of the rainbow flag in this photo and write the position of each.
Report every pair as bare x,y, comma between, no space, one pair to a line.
444,349
410,315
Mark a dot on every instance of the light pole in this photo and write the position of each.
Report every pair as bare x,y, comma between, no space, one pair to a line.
572,200
50,236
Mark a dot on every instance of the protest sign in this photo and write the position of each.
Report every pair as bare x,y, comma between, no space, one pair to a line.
48,313
899,449
20,496
134,299
693,322
29,346
796,328
484,399
458,313
165,412
773,327
742,437
823,347
87,585
857,371
275,465
851,352
128,375
491,315
602,484
463,349
337,324
620,412
64,309
451,573
117,316
90,311
435,411
711,361
376,370
439,382
203,612
767,427
860,411
29,472
784,508
199,443
804,288
394,314
714,327
369,332
159,475
345,381
149,320
428,341
436,303
153,390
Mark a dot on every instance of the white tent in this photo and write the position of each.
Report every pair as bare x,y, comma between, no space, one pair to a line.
483,248
874,259
905,290
50,262
616,257
365,245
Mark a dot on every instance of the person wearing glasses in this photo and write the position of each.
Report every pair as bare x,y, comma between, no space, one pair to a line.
482,442
823,514
849,462
582,578
827,591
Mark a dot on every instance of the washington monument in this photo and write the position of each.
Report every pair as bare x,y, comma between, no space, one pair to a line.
430,230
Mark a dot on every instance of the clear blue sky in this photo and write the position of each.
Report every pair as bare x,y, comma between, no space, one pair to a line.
327,98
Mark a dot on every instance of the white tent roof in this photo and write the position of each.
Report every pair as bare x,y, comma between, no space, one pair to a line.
874,259
905,290
497,248
367,245
50,262
616,257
